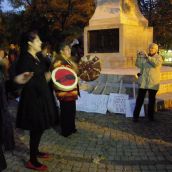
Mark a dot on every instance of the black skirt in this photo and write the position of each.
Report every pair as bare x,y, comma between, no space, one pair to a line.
37,109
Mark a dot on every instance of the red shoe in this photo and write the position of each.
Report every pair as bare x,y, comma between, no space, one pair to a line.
31,166
44,155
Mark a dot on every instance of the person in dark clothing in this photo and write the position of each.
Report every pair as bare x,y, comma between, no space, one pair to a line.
45,59
3,164
76,50
67,99
13,53
4,134
36,110
6,127
45,53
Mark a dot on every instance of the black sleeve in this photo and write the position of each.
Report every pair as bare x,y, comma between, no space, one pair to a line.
23,65
11,86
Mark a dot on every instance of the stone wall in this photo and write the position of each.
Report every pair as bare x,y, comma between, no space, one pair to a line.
134,33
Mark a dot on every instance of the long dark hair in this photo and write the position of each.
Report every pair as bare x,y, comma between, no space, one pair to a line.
25,38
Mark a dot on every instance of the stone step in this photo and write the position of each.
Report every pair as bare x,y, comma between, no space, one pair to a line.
115,84
124,81
166,73
164,101
165,87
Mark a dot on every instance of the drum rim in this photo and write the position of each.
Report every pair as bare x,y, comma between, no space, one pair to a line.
58,85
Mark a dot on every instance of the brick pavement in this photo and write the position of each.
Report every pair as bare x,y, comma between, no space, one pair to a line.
104,143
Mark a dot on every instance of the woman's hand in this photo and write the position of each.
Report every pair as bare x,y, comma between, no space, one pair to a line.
142,54
145,54
23,78
57,64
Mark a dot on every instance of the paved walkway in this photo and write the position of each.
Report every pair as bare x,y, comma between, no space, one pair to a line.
104,143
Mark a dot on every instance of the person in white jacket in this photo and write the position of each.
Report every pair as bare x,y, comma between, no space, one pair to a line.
149,80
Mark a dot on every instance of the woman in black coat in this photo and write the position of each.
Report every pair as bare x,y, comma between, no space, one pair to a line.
36,110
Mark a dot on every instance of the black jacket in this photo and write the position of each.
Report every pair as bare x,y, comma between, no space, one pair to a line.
37,109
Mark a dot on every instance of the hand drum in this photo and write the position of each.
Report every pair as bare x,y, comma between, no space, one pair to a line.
89,68
64,78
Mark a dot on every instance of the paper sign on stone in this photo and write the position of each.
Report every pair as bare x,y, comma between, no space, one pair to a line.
97,103
117,103
81,103
92,103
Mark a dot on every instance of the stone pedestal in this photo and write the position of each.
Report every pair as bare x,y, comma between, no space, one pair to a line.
116,31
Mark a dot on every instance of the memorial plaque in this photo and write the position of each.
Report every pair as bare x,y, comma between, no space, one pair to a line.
103,41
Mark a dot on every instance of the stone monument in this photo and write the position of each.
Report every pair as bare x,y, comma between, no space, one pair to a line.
116,31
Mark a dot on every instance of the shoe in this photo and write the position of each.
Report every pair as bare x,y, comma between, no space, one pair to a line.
75,131
135,120
44,155
66,134
29,165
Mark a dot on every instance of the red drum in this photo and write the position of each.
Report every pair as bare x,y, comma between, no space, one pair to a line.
89,68
64,78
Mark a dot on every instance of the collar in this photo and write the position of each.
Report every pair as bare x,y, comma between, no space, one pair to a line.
151,55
